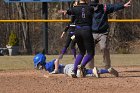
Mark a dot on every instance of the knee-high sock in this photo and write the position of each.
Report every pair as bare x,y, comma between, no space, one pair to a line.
64,50
86,59
74,52
102,71
89,71
77,62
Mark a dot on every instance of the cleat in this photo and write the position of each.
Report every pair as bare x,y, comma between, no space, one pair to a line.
73,75
81,71
95,72
113,72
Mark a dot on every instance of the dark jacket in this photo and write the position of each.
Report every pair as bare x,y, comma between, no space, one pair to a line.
100,17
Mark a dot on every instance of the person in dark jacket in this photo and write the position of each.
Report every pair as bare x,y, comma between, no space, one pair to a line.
100,27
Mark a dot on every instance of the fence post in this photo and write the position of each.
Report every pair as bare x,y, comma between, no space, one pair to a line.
45,26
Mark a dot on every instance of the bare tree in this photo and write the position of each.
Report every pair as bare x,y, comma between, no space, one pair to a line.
21,7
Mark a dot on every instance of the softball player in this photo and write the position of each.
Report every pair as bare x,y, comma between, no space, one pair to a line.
70,29
54,67
83,34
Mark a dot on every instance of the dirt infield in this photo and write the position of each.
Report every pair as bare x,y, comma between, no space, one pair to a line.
33,81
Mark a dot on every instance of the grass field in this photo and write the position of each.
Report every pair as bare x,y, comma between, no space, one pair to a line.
26,62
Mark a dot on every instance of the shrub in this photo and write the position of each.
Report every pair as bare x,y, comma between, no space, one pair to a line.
13,40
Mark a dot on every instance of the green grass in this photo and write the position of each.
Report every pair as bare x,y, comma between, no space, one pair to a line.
26,62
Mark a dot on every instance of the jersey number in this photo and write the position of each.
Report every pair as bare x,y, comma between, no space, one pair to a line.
83,12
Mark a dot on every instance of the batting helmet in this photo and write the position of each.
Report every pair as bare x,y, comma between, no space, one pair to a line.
39,58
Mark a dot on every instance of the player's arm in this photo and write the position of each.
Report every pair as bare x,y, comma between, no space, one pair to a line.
56,64
56,67
69,11
110,8
128,4
66,29
62,35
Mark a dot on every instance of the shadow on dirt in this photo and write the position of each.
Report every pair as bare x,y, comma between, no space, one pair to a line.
132,71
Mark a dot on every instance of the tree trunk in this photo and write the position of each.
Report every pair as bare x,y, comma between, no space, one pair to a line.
25,27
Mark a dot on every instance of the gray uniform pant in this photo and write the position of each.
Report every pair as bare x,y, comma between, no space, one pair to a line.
103,41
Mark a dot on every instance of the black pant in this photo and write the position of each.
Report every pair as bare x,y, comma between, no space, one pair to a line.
69,40
84,40
73,43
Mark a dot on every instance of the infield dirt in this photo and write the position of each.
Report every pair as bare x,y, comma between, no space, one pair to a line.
33,81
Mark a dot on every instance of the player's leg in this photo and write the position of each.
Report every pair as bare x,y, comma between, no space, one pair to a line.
68,41
56,67
91,63
104,46
96,72
89,46
110,70
79,41
73,49
88,72
68,69
92,72
79,57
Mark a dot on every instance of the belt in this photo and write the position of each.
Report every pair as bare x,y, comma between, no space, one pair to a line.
72,25
104,33
71,33
83,27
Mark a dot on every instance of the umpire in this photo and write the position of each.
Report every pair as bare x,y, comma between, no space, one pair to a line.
100,28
